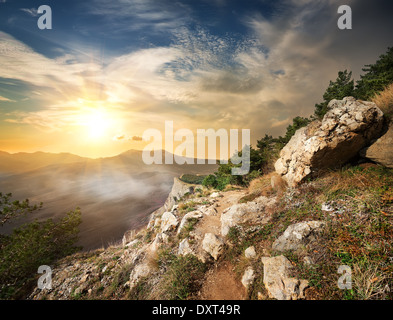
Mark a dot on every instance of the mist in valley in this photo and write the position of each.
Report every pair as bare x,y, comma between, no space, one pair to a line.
115,194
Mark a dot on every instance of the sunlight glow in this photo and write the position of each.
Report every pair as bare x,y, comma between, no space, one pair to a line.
97,123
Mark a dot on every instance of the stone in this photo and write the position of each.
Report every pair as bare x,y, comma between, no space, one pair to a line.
215,195
128,237
277,280
132,243
184,248
213,245
250,253
190,215
158,240
346,128
179,189
298,235
140,271
381,150
168,221
248,277
244,212
308,261
208,210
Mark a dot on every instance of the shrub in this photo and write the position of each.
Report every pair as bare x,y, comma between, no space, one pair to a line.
183,277
193,179
32,245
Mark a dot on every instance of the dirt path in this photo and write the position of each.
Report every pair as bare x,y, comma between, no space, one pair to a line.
212,223
220,283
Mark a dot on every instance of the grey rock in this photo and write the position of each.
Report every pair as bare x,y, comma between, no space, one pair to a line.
277,280
381,151
241,213
191,215
168,221
250,253
213,245
298,235
248,277
348,127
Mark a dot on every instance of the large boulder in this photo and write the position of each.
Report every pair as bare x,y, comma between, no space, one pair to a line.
298,235
277,280
348,127
381,151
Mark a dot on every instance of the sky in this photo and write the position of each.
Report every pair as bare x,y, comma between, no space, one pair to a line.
109,70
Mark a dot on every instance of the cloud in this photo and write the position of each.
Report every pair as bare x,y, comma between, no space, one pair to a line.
32,11
119,137
259,81
132,15
136,138
6,99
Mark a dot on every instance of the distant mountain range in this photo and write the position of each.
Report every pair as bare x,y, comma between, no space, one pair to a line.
115,194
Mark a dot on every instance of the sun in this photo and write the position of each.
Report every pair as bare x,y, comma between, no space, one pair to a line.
97,123
97,126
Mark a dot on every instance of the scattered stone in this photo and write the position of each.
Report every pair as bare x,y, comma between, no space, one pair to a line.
277,280
208,210
327,207
248,277
298,235
140,271
215,195
191,215
184,248
168,221
213,245
132,243
244,212
308,261
128,237
250,253
158,240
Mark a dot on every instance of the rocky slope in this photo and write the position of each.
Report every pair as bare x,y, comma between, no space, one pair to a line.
277,243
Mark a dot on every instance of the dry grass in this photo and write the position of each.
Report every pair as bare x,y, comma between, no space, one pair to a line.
266,185
261,186
384,101
368,282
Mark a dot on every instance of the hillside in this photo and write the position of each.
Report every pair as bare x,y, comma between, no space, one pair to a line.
353,208
318,227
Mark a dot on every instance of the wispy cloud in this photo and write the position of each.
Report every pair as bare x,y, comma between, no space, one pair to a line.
259,81
6,99
158,16
31,12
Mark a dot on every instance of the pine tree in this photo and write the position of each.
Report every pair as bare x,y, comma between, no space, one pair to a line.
339,89
377,76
